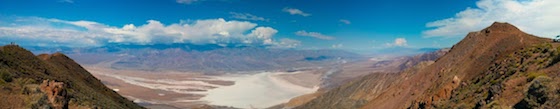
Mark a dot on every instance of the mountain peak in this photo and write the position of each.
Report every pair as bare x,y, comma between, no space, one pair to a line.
501,27
47,57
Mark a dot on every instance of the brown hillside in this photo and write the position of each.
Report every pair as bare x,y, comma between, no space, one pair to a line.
51,81
474,57
357,93
497,67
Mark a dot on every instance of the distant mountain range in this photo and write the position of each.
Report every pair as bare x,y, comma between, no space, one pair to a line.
395,51
208,58
115,47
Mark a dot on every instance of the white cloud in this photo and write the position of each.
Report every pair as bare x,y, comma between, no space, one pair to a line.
264,33
345,21
314,35
400,42
539,17
89,33
337,46
294,11
186,1
287,43
247,16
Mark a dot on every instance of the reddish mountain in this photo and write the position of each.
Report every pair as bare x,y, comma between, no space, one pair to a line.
360,89
497,67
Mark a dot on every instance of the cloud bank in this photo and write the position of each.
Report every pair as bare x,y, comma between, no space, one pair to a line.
287,43
43,31
314,35
539,17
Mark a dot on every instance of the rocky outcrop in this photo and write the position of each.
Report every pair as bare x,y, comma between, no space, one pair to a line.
543,92
56,94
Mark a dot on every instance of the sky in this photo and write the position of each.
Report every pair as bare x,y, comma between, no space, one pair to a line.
301,24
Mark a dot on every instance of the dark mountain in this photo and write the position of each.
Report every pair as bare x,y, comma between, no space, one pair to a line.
51,81
497,67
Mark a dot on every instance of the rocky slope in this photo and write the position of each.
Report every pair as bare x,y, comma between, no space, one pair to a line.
359,91
51,81
497,67
503,69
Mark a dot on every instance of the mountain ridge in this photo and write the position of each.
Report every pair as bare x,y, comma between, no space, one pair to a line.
478,72
465,61
218,60
357,91
63,82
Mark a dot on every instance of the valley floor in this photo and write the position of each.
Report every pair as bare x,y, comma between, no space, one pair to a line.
189,89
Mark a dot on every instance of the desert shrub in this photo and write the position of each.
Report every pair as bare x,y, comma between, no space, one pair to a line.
494,81
38,101
30,89
5,75
23,81
556,57
494,105
463,106
533,75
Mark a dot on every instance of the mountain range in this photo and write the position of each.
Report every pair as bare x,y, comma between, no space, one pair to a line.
210,58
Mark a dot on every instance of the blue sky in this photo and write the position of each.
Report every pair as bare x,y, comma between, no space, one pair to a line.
304,24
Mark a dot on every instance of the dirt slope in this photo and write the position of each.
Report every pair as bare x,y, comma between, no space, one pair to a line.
357,93
497,67
51,81
459,72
